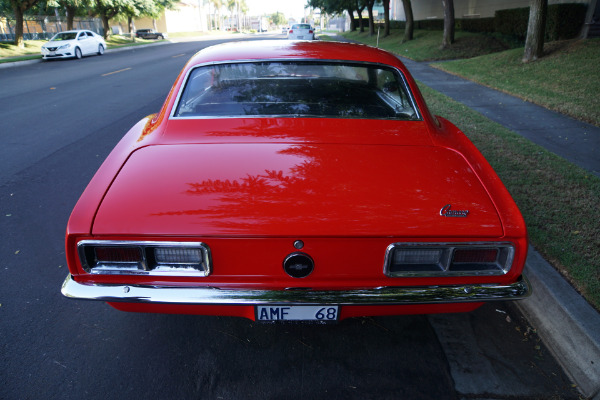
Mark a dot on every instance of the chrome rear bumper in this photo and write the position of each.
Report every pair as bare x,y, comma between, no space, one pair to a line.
374,296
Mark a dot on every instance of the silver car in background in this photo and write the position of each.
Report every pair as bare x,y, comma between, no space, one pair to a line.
301,32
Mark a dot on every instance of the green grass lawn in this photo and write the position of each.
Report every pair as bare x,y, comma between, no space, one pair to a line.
426,44
32,47
566,79
560,201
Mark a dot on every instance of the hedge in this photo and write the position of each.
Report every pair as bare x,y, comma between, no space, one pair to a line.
477,24
564,21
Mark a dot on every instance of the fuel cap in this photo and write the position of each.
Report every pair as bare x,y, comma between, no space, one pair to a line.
298,265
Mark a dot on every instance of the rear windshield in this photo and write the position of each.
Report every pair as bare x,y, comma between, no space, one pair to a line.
301,26
296,89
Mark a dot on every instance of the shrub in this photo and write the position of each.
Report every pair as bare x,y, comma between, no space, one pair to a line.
563,21
478,24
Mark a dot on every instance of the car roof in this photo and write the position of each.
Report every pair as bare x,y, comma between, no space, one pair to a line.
304,50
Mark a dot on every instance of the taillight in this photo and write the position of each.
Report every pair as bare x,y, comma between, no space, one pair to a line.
310,31
291,31
448,259
118,254
464,256
145,258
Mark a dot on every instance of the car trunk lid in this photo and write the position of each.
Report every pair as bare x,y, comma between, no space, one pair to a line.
297,189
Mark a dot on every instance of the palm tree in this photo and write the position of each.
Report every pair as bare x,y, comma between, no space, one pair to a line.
218,4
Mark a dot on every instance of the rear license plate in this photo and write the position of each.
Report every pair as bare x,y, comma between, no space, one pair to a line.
300,37
297,313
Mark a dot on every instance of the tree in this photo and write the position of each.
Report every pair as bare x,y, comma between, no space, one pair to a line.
217,4
350,11
386,18
370,4
448,37
337,7
235,7
159,7
232,6
73,8
136,8
278,19
107,9
5,9
360,6
19,8
409,28
534,43
243,9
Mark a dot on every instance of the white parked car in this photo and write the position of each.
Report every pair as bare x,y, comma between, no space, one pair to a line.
73,44
301,32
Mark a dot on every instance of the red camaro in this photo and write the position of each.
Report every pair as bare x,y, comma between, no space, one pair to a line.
295,181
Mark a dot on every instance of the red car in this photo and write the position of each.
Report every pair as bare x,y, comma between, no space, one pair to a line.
295,181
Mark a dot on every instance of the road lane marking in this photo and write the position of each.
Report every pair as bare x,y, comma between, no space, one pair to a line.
178,55
116,72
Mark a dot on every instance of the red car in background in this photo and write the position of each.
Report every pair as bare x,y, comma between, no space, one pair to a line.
295,181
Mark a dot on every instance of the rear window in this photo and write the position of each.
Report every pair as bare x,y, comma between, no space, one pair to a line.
294,89
301,26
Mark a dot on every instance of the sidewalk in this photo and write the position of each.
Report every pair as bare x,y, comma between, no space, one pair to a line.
573,140
569,326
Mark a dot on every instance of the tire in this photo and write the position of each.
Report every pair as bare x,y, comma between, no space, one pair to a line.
160,37
78,54
100,49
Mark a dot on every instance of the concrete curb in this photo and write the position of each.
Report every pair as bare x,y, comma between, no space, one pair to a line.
19,63
568,325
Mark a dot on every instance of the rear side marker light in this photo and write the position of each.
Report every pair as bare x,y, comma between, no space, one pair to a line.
448,259
145,258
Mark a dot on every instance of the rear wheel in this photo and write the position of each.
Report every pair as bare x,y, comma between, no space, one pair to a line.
77,53
100,49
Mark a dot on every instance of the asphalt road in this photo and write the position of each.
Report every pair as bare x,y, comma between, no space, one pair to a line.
58,121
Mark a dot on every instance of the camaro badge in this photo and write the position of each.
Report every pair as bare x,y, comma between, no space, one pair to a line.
447,211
